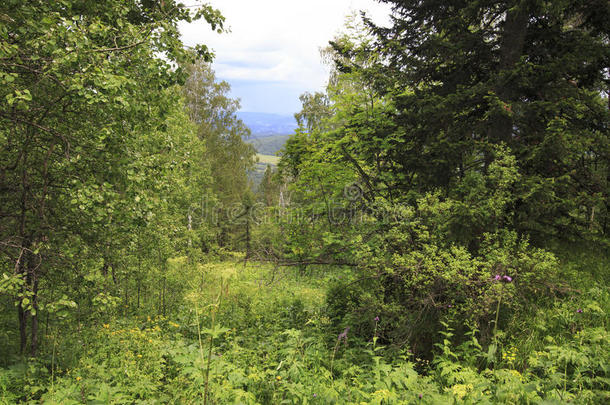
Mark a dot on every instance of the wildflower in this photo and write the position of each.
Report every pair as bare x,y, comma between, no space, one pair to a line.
579,310
106,325
420,396
498,277
279,378
376,319
79,378
315,395
139,356
343,335
507,279
461,390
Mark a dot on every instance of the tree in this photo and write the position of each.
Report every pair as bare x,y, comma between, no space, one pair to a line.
83,96
230,158
463,76
315,110
455,133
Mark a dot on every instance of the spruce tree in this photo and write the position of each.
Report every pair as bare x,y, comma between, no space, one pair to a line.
463,76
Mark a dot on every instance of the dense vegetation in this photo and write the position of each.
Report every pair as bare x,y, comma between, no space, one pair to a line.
436,230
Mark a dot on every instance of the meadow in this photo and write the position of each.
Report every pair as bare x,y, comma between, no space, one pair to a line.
258,334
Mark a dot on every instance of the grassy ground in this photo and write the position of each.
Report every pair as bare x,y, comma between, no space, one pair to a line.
268,159
260,335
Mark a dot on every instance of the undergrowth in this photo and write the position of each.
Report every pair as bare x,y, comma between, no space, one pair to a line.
261,335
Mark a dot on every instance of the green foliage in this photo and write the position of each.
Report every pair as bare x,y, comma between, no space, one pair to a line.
229,157
446,149
407,224
273,343
464,77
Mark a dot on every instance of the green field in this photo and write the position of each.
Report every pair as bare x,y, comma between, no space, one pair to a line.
268,159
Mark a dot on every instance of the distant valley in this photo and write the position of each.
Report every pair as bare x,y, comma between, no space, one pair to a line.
269,134
269,145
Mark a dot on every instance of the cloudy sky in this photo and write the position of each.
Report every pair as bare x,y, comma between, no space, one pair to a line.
271,54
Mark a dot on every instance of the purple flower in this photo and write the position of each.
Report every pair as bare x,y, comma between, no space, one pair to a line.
579,310
315,395
376,319
343,336
507,279
498,277
449,306
420,395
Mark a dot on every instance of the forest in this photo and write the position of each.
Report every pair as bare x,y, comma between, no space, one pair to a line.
435,231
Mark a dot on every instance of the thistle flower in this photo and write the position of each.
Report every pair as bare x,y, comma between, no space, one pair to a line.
579,310
376,319
507,279
497,277
343,335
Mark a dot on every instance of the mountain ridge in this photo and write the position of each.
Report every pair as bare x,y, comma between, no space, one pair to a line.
267,124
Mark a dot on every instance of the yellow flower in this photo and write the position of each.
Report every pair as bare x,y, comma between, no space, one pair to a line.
139,355
106,325
78,378
461,390
517,374
279,378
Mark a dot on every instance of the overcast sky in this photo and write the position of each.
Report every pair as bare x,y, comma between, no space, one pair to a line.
271,55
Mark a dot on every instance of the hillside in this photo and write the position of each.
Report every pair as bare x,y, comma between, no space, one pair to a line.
267,148
257,334
436,230
268,145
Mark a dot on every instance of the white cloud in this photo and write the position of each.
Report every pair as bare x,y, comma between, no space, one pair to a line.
276,40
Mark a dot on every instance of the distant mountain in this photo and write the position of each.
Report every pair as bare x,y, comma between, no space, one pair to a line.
263,124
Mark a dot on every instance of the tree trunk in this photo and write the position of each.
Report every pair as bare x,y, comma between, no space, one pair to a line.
511,50
247,240
22,313
34,315
163,308
23,339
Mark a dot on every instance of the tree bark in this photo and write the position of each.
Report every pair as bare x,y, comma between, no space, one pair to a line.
511,50
23,339
34,331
